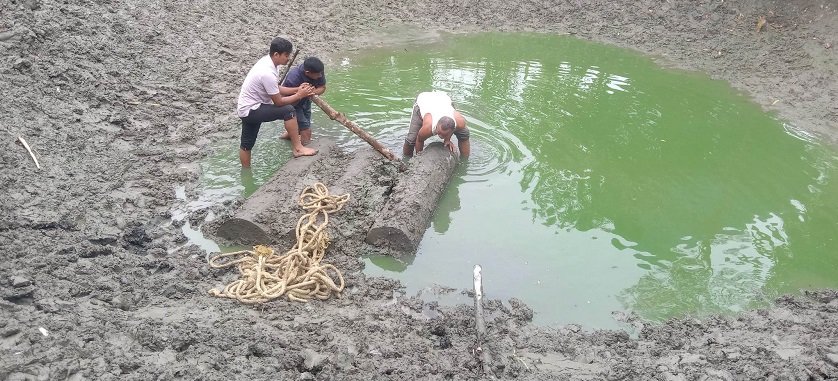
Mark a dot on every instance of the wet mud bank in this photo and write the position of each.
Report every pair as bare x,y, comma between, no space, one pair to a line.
120,100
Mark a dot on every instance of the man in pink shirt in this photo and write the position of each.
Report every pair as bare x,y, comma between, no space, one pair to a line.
260,101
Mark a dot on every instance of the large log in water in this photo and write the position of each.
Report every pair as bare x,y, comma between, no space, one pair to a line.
270,215
261,219
407,214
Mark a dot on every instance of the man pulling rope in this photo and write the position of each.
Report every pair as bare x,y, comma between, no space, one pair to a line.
297,273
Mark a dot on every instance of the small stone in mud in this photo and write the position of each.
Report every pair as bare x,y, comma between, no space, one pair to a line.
19,281
122,302
438,330
521,310
259,349
832,358
137,236
312,360
345,357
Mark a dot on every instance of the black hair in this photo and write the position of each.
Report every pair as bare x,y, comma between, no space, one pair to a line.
280,45
313,64
446,123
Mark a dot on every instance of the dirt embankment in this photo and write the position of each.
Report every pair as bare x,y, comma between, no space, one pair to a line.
120,99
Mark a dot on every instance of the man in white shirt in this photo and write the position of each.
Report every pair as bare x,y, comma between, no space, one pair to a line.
260,101
434,114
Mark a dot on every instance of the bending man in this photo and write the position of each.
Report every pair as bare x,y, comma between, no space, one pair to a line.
434,114
260,101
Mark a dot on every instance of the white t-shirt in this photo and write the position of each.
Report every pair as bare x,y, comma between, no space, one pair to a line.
261,82
436,103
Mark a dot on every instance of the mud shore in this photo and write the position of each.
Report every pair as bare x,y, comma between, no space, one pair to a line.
120,100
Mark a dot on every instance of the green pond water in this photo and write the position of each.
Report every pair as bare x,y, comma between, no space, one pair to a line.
598,181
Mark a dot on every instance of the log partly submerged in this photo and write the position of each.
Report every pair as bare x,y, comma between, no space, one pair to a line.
407,213
270,215
259,220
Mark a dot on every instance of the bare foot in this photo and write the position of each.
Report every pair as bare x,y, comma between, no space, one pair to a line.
305,142
285,136
305,151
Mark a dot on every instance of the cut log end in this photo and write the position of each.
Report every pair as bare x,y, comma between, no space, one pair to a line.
241,230
391,238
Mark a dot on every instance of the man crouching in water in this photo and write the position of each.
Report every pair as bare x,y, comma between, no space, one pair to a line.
260,101
434,114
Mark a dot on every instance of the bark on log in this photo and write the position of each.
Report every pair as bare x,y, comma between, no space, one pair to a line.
407,214
334,115
256,220
271,213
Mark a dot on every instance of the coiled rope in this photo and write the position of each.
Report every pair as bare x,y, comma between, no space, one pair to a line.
298,273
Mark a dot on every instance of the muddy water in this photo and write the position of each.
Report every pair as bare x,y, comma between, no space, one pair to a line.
598,181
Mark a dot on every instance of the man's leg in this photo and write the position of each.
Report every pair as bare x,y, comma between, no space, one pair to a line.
297,147
303,112
248,139
271,112
244,158
303,115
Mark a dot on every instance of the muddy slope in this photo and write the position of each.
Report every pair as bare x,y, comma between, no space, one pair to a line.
120,99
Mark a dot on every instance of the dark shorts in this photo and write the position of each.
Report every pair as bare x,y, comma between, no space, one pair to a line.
416,124
303,111
254,120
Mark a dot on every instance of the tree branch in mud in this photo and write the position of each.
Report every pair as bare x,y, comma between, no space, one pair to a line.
334,115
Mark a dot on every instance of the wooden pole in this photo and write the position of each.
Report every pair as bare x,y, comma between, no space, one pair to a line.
288,66
334,115
480,324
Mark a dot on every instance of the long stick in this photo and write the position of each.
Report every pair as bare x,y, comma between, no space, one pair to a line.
334,115
25,145
480,324
288,66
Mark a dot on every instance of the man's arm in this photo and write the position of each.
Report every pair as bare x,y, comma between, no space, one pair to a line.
303,91
283,90
424,133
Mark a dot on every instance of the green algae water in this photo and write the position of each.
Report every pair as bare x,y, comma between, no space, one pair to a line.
598,181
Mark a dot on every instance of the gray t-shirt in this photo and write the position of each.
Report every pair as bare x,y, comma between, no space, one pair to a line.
261,82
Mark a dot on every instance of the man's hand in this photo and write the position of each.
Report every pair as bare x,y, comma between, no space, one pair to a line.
305,90
450,146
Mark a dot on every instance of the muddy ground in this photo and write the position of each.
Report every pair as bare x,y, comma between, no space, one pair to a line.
121,100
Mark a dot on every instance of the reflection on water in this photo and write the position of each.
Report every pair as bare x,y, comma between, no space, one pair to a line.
597,181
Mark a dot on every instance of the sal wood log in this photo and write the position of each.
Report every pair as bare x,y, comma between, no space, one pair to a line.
269,215
407,214
334,115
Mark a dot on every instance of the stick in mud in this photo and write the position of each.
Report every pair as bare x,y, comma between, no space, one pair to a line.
288,66
479,323
28,149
